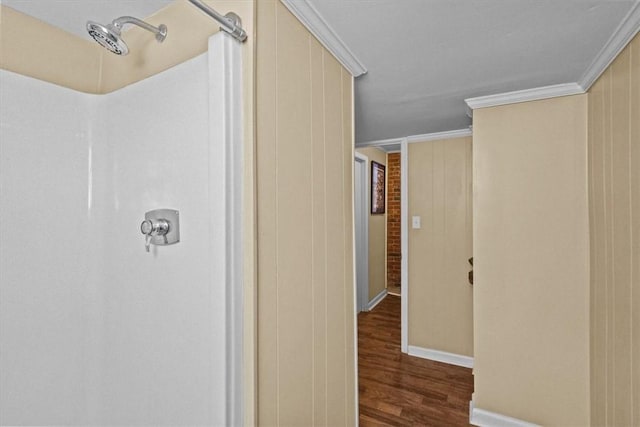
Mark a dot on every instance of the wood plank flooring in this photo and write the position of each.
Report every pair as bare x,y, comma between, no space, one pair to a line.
401,390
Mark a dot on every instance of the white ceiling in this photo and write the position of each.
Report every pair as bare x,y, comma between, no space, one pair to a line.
424,57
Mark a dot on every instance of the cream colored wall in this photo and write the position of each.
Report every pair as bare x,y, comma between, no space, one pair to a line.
440,296
531,293
614,178
36,49
306,311
377,230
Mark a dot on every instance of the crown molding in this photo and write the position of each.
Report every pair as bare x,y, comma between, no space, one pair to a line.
316,24
517,96
437,136
396,148
379,143
622,35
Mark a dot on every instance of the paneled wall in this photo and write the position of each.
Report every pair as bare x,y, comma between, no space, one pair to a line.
377,229
440,296
531,263
305,227
614,186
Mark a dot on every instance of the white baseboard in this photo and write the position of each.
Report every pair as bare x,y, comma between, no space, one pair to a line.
441,356
377,299
482,418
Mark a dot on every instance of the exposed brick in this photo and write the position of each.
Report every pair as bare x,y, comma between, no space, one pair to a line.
393,219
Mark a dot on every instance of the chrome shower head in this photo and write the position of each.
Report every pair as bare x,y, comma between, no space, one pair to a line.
109,37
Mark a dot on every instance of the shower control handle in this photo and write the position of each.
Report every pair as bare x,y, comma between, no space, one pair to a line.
160,227
151,228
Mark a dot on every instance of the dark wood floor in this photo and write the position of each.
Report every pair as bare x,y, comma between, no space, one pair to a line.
401,390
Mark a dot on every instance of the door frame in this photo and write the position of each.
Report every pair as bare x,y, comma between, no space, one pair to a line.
404,245
362,238
390,146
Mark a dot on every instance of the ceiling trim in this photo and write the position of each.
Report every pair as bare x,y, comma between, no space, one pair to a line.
437,136
517,96
379,143
316,24
425,137
393,148
622,35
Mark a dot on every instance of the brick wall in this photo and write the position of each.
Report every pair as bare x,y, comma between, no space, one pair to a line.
393,219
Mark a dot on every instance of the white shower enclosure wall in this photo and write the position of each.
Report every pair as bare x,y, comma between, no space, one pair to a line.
93,329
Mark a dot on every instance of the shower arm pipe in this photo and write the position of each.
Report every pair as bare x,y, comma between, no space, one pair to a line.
118,23
230,22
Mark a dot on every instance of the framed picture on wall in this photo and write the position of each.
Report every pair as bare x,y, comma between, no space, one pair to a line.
377,188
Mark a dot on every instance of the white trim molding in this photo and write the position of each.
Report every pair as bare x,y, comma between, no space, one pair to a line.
483,418
379,142
361,238
438,136
404,246
377,300
441,356
356,385
623,34
226,162
435,136
387,148
535,94
320,28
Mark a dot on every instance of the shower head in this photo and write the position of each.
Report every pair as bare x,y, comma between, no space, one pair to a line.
109,37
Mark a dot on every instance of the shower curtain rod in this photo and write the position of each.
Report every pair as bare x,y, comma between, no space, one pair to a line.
231,23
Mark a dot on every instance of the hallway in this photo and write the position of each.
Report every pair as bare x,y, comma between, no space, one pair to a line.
400,390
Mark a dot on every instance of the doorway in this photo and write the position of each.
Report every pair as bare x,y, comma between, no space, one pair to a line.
361,226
